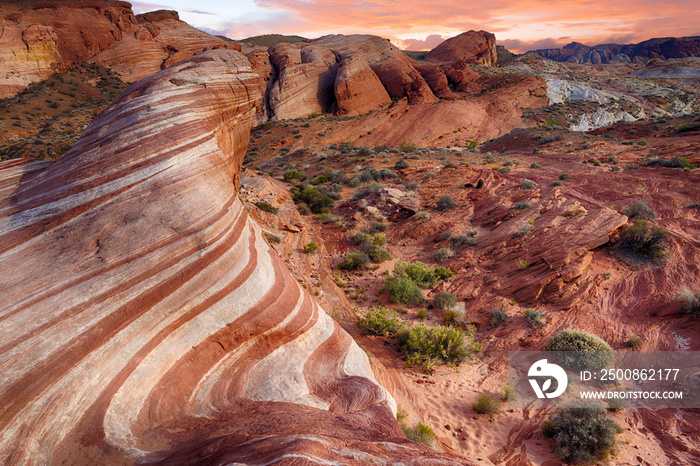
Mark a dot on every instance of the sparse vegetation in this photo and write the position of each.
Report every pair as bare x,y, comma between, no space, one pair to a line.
534,317
265,207
445,300
580,350
421,274
499,316
272,238
379,321
564,176
420,433
527,184
403,290
442,254
508,392
644,241
634,341
486,404
639,210
581,434
445,203
401,164
311,248
690,302
428,346
354,261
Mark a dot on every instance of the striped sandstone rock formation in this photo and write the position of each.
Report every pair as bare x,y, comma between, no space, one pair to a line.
143,317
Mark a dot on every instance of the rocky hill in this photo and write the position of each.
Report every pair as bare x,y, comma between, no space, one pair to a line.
663,48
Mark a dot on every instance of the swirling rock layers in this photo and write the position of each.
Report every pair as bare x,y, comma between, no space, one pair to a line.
143,318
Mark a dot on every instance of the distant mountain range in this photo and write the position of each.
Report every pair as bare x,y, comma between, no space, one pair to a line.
667,47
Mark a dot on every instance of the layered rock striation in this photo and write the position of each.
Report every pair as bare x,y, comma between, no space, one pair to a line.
144,318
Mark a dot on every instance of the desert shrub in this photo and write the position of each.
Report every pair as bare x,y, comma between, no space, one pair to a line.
499,316
317,199
272,238
420,433
367,190
379,239
581,350
639,210
522,230
508,392
486,404
385,174
678,162
634,341
556,183
429,345
690,302
581,434
412,186
535,165
422,215
407,147
442,254
447,234
445,203
311,248
645,241
422,314
472,144
354,261
421,274
403,290
527,184
534,317
522,205
444,300
465,239
564,176
327,217
379,322
379,255
294,175
265,207
401,164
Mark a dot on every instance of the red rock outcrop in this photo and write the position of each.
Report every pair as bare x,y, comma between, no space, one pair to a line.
144,318
472,47
159,40
37,37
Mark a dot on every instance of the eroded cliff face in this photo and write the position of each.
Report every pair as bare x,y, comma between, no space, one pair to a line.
160,327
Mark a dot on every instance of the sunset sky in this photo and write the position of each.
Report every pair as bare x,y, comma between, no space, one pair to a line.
422,24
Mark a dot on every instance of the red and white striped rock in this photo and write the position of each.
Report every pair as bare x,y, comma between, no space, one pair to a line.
142,316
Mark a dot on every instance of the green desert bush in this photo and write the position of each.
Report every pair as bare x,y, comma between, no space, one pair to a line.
266,207
420,433
428,346
422,314
581,434
634,341
508,393
486,404
527,184
311,248
403,290
444,300
379,322
401,164
294,175
421,274
639,210
580,350
442,254
354,261
644,241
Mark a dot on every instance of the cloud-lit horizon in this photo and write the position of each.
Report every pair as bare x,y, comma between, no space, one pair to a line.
421,24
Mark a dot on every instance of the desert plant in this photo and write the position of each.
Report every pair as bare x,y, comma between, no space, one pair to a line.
564,176
445,203
420,433
422,314
401,164
421,274
429,345
354,261
535,165
379,255
486,404
645,241
311,248
272,238
580,350
634,341
690,302
442,254
422,215
499,316
365,191
266,207
534,317
407,147
581,434
508,392
522,230
403,290
294,175
556,183
444,300
379,322
522,205
412,186
527,184
639,210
